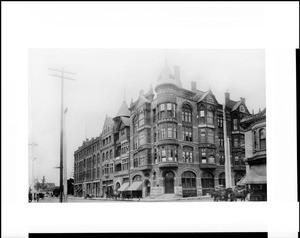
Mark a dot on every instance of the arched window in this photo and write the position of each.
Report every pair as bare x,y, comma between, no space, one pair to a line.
188,180
186,114
262,139
207,180
222,179
137,178
110,154
107,155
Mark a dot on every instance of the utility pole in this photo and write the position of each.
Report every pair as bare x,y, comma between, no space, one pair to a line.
65,179
33,158
228,179
62,77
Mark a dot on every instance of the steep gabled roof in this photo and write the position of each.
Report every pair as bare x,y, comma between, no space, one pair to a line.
109,122
230,103
204,95
236,106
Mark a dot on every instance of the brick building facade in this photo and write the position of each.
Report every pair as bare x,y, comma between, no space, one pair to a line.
170,141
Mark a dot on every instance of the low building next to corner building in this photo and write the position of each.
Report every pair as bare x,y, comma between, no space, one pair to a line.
256,156
87,168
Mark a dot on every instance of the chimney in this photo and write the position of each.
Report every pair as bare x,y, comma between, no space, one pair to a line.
252,111
227,97
177,73
243,99
193,85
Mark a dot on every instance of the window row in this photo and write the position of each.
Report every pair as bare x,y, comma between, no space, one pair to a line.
167,130
124,147
142,158
106,141
167,110
107,155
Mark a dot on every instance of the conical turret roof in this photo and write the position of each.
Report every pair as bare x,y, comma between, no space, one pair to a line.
123,111
166,76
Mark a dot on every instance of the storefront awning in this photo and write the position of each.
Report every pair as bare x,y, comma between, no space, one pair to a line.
135,186
123,187
255,175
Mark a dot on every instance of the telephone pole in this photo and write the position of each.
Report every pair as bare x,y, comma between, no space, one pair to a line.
228,178
33,158
62,77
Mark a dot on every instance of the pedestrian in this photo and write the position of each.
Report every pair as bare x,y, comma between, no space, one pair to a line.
37,197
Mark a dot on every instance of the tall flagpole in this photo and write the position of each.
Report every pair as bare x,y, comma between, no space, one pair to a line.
228,180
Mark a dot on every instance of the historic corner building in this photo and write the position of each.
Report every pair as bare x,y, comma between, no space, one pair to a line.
256,157
166,142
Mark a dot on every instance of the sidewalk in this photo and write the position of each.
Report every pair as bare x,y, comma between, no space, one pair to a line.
147,199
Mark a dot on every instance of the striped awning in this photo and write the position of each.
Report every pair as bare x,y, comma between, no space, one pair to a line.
135,186
123,187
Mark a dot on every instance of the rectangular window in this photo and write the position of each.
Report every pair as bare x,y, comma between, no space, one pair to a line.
222,160
210,136
163,133
202,135
236,160
154,115
220,122
135,162
221,142
236,142
202,114
210,117
170,132
235,124
163,155
203,156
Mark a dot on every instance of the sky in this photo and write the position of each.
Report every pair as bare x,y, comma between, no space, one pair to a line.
105,77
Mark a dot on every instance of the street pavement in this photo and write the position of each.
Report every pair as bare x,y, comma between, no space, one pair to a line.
72,199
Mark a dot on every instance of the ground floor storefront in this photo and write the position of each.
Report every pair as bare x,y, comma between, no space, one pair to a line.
185,181
176,182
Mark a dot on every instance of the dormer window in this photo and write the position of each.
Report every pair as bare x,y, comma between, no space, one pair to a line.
242,108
